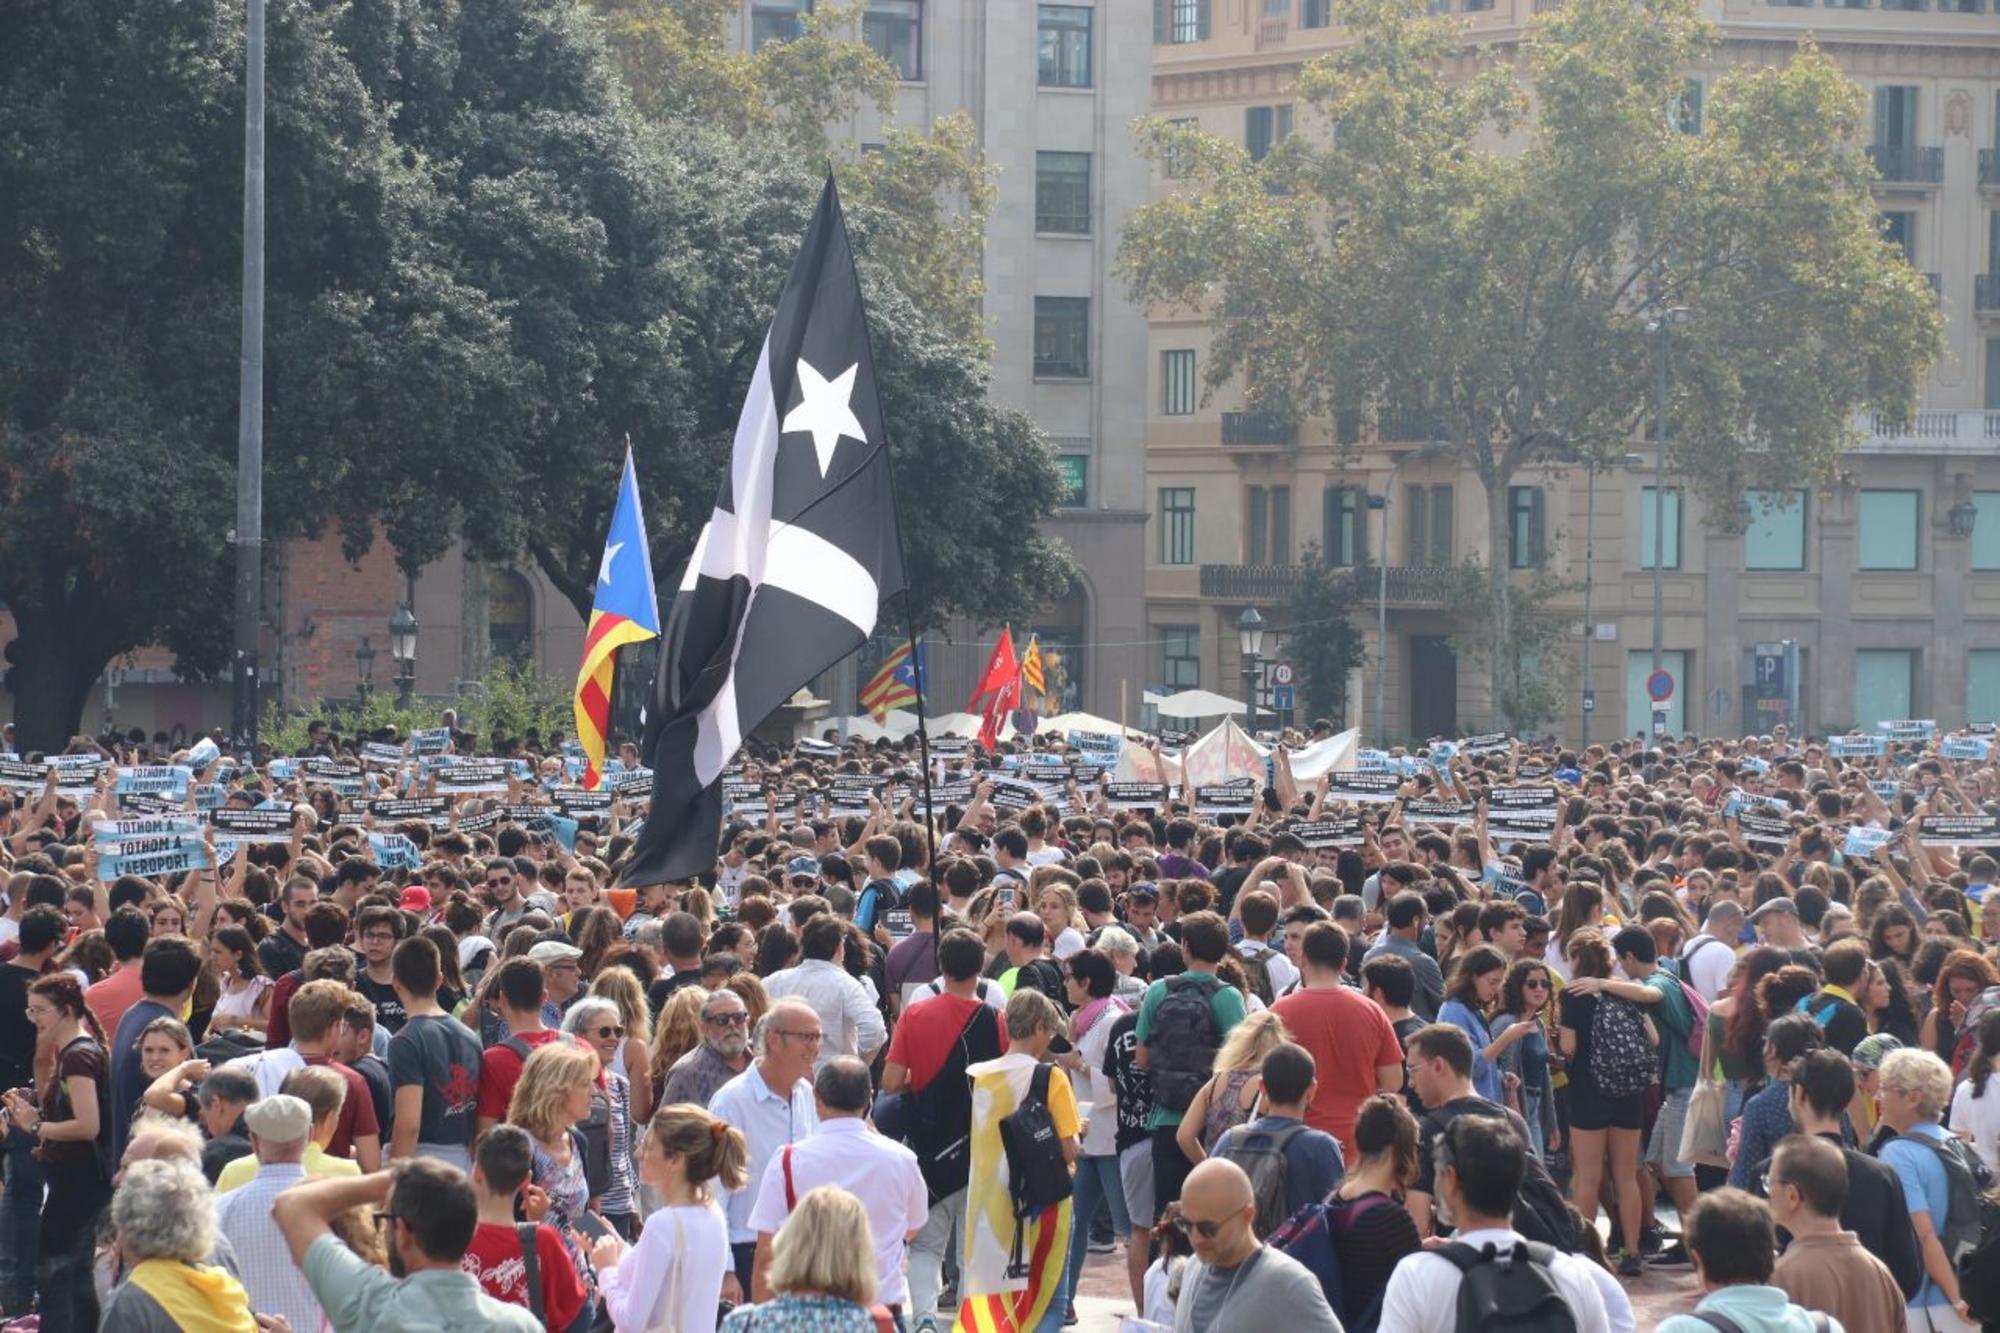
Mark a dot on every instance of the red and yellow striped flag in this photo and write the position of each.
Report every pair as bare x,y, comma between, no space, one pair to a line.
1031,666
624,611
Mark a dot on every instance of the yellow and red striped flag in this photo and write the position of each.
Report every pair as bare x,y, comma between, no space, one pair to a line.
899,681
624,610
1031,666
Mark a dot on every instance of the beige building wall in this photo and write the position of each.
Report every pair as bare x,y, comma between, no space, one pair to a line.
1924,638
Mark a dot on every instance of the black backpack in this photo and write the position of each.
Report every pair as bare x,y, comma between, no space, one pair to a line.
940,1116
1182,1040
1510,1293
1971,1223
1037,1173
1622,1062
1261,1154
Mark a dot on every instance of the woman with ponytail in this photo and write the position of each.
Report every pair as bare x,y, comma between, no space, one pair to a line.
673,1277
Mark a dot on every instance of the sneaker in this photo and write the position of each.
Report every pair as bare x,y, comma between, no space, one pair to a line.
1103,1246
1631,1265
1652,1240
1674,1256
1069,1315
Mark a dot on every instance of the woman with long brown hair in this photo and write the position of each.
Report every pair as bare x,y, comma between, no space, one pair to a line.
1963,974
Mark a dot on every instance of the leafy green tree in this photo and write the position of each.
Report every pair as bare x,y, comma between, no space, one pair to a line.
1502,231
1323,642
120,262
1532,664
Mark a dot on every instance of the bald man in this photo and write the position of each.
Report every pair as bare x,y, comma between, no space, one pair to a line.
1235,1281
772,1103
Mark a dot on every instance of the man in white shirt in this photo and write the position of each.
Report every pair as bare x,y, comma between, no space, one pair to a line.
772,1103
1707,959
1480,1163
845,1151
280,1128
848,1018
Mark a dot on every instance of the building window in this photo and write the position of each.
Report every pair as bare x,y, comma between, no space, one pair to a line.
1428,511
1992,401
1315,13
1062,193
1268,531
510,607
776,20
1986,535
1895,114
1075,470
894,30
1686,110
1180,657
1176,160
1063,46
1776,535
1475,6
1888,530
1884,680
1177,395
1062,337
1177,525
1527,527
1345,522
1670,506
1905,4
1264,128
1179,22
1982,685
1899,228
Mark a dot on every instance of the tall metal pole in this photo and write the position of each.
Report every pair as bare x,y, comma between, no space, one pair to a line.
1660,492
1589,572
250,403
1382,615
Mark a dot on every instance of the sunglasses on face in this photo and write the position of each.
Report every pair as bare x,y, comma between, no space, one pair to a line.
1538,983
725,1020
617,1030
1208,1230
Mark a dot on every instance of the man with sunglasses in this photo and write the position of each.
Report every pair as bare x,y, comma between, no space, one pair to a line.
724,1052
772,1103
1235,1281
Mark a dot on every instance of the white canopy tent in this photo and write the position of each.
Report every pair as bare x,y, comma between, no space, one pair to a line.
1198,703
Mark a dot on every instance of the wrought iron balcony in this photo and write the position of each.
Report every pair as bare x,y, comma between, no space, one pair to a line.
1908,164
1259,429
1408,585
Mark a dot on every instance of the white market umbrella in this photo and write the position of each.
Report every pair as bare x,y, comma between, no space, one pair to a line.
1198,703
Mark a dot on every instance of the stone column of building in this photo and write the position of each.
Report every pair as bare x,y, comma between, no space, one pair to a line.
1832,698
1722,643
1953,569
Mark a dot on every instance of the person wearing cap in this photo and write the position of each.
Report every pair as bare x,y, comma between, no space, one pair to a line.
802,874
416,898
1867,1058
562,975
280,1132
1777,921
325,1095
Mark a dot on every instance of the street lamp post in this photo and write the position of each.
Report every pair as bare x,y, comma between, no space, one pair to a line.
1250,643
364,667
403,647
1663,326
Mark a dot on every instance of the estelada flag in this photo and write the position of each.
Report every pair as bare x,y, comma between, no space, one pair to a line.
899,681
624,610
998,691
1031,666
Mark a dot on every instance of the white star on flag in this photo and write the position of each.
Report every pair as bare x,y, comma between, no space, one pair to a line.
823,411
611,550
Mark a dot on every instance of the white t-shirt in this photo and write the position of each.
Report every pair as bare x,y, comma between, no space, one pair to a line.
1068,942
1708,964
1979,1117
1422,1296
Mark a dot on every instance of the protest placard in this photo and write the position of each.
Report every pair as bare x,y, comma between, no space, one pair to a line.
168,780
471,776
1363,787
1859,745
1490,743
148,846
1441,811
1909,730
1135,795
1960,830
1764,826
1974,749
1861,842
253,825
433,740
1342,832
574,801
1238,797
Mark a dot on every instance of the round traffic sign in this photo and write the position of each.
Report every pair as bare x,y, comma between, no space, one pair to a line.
1281,673
1660,686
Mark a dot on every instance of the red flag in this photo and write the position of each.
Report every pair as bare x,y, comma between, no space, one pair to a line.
999,687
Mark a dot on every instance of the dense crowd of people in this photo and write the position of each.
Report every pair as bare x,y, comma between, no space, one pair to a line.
1355,1059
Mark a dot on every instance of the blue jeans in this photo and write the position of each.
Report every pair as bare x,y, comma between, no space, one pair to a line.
1097,1180
20,1224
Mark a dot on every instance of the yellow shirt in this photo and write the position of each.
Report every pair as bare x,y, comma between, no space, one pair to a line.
318,1164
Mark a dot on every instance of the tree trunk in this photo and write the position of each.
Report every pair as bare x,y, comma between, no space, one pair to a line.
54,669
1501,621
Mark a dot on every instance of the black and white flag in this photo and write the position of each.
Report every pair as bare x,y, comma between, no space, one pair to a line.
788,576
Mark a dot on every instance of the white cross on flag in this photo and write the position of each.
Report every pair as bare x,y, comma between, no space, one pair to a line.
789,574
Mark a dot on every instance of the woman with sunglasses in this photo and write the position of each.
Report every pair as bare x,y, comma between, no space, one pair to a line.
596,1021
1527,997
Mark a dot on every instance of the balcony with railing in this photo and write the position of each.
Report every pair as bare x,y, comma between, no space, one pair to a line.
1408,585
1986,293
1259,430
1908,164
1935,431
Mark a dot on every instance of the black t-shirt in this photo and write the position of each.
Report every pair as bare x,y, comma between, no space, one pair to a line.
663,988
1577,1012
442,1056
17,1034
1135,1085
1437,1121
220,1152
371,1068
82,1058
1226,883
1843,1023
389,1012
279,953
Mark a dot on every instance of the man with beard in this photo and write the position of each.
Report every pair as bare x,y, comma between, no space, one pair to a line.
431,1215
722,1055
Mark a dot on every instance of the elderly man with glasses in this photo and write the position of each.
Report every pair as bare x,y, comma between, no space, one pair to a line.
724,1052
772,1103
